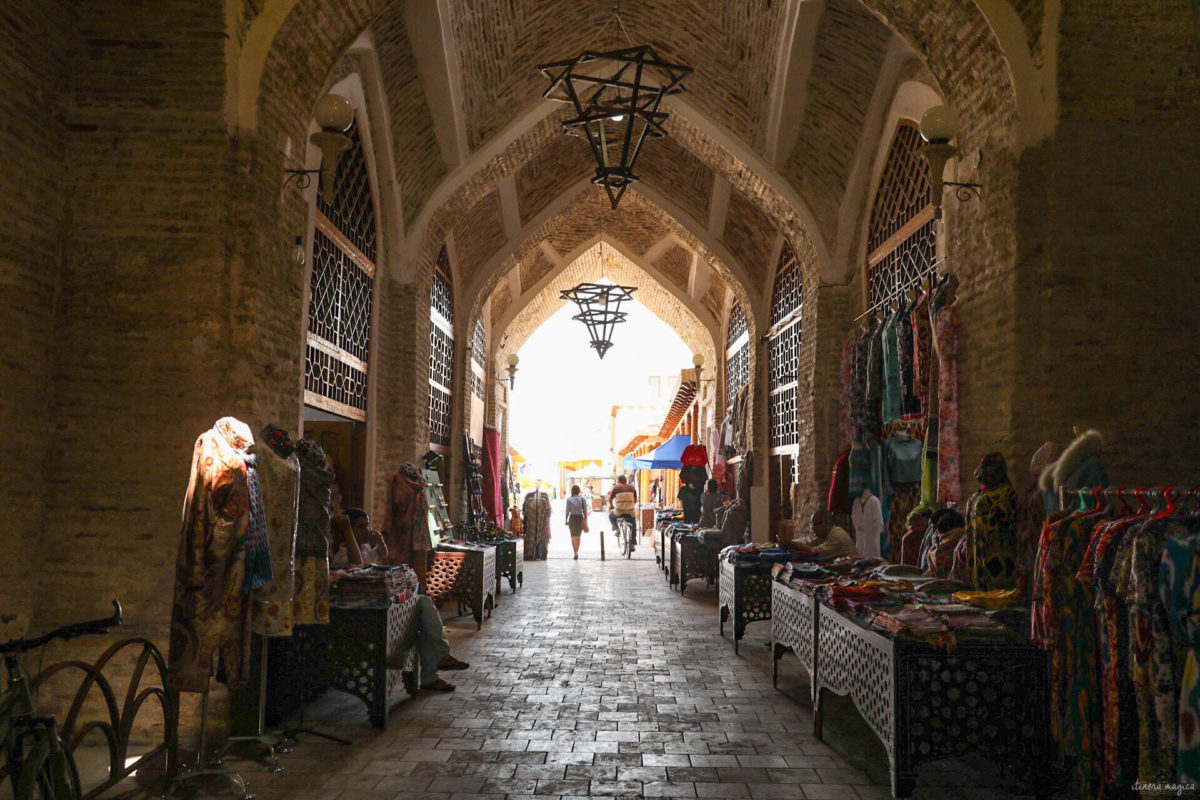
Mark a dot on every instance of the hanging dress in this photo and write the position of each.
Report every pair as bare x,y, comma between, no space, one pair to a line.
310,605
945,338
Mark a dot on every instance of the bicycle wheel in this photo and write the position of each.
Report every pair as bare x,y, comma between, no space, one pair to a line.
53,777
626,540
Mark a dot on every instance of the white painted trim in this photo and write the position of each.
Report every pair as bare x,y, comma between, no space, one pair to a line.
789,86
426,24
550,252
911,100
660,248
718,206
510,205
514,283
755,163
897,56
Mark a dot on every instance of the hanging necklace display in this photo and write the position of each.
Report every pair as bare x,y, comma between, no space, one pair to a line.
616,96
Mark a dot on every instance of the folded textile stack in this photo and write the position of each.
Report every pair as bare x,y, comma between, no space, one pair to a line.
756,552
375,583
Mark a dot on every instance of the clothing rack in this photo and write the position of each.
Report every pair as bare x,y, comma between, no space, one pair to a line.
1153,498
899,291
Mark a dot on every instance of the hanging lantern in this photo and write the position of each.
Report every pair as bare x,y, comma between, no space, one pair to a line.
599,310
616,96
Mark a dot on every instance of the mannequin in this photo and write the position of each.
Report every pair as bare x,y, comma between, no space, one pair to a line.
867,517
986,558
210,618
311,601
279,473
536,510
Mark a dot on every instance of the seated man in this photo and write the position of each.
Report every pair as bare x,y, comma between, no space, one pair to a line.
432,645
372,549
828,540
622,502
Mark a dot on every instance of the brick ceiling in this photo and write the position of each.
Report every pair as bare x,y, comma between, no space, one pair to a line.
733,46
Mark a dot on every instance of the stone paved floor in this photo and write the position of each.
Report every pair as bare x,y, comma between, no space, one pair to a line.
597,680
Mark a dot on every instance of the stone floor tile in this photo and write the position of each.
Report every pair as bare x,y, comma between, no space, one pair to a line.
724,791
668,789
596,677
828,791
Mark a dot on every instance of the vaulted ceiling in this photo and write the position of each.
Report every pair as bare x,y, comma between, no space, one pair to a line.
767,141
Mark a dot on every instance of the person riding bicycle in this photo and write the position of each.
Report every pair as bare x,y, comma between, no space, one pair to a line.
622,502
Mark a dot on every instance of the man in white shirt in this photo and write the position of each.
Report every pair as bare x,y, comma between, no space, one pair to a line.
828,540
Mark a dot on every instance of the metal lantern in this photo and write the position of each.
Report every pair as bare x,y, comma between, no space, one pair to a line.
600,310
616,96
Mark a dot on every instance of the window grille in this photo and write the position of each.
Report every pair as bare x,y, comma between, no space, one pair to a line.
441,351
439,417
737,323
479,344
341,289
352,211
737,354
476,385
902,239
783,353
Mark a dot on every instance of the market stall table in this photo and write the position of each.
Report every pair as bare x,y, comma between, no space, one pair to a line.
693,557
510,562
467,573
365,650
924,702
744,594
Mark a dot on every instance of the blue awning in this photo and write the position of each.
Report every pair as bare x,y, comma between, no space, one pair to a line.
667,456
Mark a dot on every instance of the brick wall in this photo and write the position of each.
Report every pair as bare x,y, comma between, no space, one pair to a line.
33,80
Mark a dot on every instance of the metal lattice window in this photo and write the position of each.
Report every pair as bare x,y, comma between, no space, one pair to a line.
476,386
479,344
783,354
441,295
352,211
441,351
913,260
441,357
783,357
788,295
904,189
333,379
342,286
737,356
902,239
784,428
737,323
737,373
439,417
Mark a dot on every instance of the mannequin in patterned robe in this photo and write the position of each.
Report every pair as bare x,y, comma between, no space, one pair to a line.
279,474
310,603
210,618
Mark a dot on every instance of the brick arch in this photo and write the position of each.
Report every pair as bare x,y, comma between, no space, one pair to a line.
622,266
642,219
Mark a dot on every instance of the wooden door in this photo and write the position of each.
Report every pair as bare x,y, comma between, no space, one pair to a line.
345,444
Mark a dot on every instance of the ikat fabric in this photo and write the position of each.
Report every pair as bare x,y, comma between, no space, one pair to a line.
279,478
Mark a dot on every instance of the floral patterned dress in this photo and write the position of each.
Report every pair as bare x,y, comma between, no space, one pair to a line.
945,339
280,477
210,617
1179,586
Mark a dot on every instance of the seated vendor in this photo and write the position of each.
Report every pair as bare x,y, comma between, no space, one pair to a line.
828,541
372,548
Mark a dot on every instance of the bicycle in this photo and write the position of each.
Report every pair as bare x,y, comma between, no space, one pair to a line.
625,534
35,760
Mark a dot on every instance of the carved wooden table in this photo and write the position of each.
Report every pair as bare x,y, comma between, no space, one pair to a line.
466,573
923,702
365,650
510,563
744,594
693,558
793,627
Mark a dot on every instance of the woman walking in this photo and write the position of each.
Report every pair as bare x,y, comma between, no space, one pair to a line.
577,517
